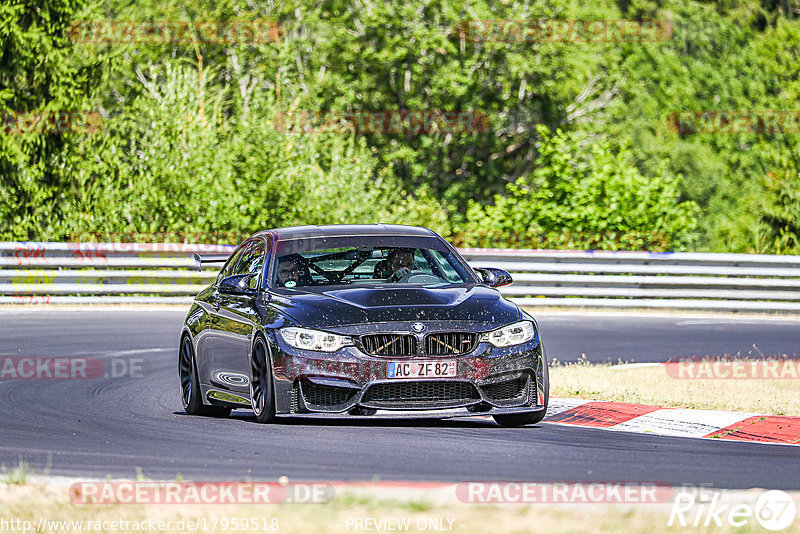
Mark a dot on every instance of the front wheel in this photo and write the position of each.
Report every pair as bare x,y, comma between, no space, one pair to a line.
262,398
519,419
191,397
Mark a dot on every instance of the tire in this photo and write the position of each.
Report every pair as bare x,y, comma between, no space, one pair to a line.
191,396
262,396
519,419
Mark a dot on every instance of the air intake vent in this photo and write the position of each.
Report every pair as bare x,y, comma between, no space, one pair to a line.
450,343
506,390
389,344
421,394
320,395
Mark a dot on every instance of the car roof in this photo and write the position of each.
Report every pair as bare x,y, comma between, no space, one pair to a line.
346,230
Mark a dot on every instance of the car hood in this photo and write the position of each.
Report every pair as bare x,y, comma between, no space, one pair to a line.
320,307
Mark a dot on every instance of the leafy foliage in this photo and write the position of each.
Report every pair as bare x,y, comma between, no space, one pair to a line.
38,77
191,157
584,192
577,150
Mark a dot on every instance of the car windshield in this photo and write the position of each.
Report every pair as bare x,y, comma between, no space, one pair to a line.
320,262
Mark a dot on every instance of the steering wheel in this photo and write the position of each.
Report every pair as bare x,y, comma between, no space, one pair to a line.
399,274
407,276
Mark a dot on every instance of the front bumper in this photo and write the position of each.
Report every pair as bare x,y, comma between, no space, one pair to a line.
452,413
489,380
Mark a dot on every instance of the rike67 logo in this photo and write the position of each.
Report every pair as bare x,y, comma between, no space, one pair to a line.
773,510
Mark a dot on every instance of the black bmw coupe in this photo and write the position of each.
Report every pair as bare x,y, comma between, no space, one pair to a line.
359,320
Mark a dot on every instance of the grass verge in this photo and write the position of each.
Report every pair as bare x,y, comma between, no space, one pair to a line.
658,387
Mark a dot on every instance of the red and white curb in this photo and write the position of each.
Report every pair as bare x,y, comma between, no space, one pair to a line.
621,416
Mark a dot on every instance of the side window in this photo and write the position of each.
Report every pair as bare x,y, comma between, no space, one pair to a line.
253,258
227,270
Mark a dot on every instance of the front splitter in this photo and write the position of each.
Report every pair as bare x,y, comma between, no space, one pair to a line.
416,414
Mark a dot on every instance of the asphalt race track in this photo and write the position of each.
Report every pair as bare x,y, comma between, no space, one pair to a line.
657,338
112,426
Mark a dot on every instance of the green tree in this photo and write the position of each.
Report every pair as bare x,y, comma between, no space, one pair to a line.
778,231
191,156
584,193
40,77
411,56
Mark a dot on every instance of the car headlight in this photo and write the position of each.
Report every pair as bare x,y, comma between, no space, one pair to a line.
304,338
513,334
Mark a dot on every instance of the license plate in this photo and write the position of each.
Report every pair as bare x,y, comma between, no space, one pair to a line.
423,369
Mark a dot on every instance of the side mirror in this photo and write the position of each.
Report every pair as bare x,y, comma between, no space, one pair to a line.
494,277
238,284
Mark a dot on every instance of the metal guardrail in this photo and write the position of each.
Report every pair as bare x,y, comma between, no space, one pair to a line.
164,273
81,273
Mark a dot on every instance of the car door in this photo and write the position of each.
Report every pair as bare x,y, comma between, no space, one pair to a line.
235,322
209,338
